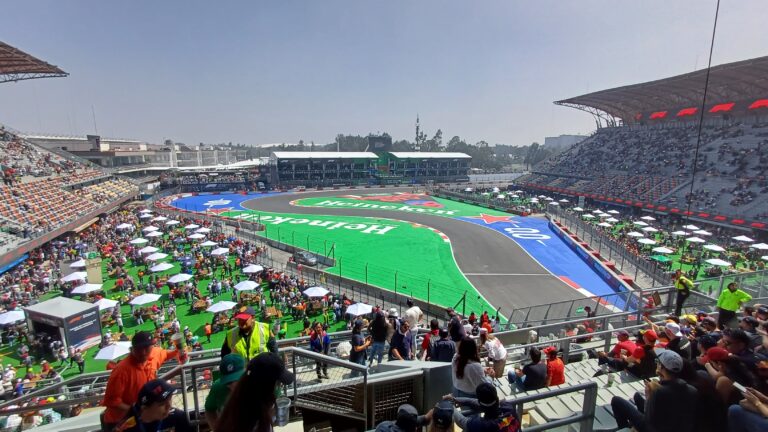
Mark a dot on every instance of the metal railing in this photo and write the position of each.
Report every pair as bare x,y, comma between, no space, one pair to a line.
585,419
646,273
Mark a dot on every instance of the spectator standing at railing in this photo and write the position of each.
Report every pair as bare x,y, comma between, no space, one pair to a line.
378,330
320,342
231,368
683,285
728,304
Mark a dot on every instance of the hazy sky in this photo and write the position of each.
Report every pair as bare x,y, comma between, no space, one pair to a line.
281,71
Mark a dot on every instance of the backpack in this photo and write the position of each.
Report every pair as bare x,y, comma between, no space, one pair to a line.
508,421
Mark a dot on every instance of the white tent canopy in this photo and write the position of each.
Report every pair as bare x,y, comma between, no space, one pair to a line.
114,351
203,230
123,226
139,241
106,303
181,277
221,306
635,234
11,317
743,238
78,264
220,251
358,309
208,243
161,267
157,256
719,262
691,227
160,218
640,223
679,233
197,236
663,250
696,240
714,247
648,218
760,246
145,298
578,209
650,229
604,224
703,232
246,285
615,212
76,276
172,222
150,228
253,268
647,241
155,234
315,291
148,250
86,288
192,226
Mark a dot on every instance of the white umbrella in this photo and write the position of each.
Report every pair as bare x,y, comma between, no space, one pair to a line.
146,211
534,200
219,251
696,240
157,256
702,232
563,200
150,228
604,224
691,227
648,218
554,203
161,267
148,250
221,306
650,229
123,226
714,247
144,299
743,238
172,222
718,262
588,216
78,264
597,211
155,234
246,285
76,276
145,216
640,223
203,230
139,241
114,351
208,243
181,277
358,309
679,233
662,249
11,317
614,211
315,291
160,218
197,236
760,246
106,303
612,220
646,241
253,268
578,209
514,196
86,288
603,215
635,234
191,226
764,257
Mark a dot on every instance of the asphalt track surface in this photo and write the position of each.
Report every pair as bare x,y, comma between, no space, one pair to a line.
497,266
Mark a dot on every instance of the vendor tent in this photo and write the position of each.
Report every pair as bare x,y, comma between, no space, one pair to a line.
76,323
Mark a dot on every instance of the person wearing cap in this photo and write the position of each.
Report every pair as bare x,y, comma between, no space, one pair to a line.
555,367
728,304
250,338
153,411
131,374
677,342
251,405
684,287
642,361
408,420
441,416
231,368
495,415
624,347
669,404
725,369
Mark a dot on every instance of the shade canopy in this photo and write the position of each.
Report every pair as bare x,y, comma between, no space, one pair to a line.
155,234
150,228
106,303
157,256
588,216
358,309
660,258
635,234
145,298
743,238
220,251
172,222
696,240
123,226
760,246
718,262
578,209
647,241
315,291
203,230
691,227
612,220
604,224
246,285
703,232
78,264
160,218
253,268
714,247
139,241
148,250
650,229
161,267
11,317
648,218
76,276
663,250
86,288
221,306
208,243
679,233
113,351
197,236
192,226
181,277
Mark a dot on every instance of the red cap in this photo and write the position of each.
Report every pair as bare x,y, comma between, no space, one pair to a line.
715,354
651,335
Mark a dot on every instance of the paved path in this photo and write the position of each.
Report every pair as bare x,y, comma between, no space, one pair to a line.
497,266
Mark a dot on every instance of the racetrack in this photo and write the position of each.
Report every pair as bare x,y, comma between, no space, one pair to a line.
497,267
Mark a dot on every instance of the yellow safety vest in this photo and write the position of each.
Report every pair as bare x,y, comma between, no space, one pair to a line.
255,346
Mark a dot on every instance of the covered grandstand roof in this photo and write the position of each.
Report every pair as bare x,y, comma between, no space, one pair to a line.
430,155
727,83
324,155
16,65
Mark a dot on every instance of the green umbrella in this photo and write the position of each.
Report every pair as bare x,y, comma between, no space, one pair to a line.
660,258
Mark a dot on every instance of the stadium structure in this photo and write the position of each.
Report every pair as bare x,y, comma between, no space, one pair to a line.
641,154
638,160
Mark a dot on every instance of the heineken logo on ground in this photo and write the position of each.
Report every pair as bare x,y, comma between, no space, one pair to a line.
329,225
393,206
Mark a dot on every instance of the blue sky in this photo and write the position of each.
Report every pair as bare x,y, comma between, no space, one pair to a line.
259,72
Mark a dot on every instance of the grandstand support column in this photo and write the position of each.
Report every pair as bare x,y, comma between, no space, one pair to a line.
565,346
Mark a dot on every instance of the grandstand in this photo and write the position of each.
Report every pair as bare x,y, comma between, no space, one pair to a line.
643,156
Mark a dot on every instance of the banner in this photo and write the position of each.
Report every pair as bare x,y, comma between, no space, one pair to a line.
84,329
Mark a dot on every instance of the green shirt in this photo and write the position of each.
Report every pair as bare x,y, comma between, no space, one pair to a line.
731,301
217,397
